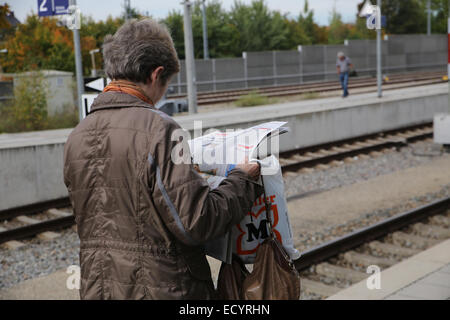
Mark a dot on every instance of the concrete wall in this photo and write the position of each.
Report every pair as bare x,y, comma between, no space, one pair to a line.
318,63
31,164
31,174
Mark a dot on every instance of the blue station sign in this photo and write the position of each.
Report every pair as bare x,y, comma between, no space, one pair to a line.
52,7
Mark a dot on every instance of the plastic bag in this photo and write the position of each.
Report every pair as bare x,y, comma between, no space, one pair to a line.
253,229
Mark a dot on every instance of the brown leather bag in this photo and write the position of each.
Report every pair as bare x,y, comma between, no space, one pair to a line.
231,278
274,276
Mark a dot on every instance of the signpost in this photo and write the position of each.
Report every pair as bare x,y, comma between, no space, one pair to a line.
69,8
52,7
374,21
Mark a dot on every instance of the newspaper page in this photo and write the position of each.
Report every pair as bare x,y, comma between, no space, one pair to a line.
216,154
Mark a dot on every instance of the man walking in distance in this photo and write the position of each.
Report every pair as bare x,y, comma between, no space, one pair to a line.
343,65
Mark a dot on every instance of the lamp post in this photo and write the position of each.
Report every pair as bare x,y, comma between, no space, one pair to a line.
94,69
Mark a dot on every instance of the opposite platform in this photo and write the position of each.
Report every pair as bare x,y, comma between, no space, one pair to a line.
31,164
423,276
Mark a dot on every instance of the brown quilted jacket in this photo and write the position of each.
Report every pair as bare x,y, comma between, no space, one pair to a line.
141,218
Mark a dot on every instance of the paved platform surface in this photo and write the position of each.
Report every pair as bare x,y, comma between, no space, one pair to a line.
425,276
51,287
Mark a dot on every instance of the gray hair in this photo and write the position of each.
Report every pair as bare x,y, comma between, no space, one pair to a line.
137,49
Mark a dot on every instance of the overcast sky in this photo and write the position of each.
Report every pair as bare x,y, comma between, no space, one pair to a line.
100,9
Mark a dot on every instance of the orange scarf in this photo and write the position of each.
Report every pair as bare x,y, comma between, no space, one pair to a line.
128,87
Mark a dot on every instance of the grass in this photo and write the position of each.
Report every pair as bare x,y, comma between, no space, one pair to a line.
253,99
11,123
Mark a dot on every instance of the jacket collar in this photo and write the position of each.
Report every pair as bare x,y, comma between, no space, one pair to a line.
112,100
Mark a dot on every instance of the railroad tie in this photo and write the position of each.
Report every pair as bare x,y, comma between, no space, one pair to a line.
326,152
391,249
363,144
431,231
48,235
322,166
375,154
366,260
12,244
305,170
412,241
298,158
312,155
363,156
440,220
58,213
350,160
318,288
26,220
332,271
340,149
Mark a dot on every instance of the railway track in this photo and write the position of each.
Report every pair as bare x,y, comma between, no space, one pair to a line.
337,152
48,217
337,264
400,80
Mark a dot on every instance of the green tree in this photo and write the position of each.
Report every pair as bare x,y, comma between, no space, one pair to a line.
306,21
337,31
404,16
439,17
174,21
93,33
296,35
28,112
222,34
259,28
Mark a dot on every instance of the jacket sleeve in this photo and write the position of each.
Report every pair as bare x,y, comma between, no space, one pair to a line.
190,209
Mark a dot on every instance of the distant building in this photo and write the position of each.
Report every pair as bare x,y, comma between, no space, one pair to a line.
60,89
12,20
13,23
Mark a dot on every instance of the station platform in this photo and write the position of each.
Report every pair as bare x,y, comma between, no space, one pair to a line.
31,164
425,276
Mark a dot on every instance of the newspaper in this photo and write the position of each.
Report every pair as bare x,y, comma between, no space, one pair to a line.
216,154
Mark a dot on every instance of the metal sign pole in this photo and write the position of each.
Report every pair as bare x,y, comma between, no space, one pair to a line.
429,17
190,59
379,76
78,61
205,33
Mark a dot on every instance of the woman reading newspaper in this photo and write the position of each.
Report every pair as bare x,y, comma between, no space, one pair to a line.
142,219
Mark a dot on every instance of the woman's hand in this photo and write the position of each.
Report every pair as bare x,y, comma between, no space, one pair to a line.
252,169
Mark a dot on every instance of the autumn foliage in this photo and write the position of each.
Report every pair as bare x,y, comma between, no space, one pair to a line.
40,43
